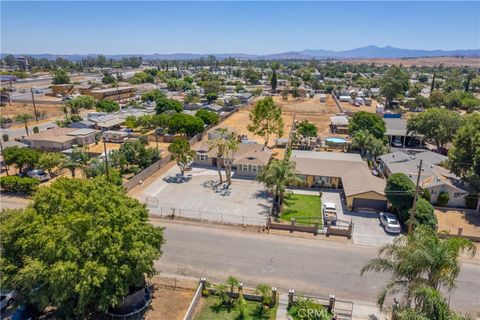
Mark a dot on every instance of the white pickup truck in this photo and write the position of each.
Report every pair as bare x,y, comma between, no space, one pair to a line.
330,213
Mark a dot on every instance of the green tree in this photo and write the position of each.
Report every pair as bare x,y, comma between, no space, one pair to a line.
394,83
419,260
23,158
181,153
164,104
307,129
424,214
209,117
464,156
181,123
60,76
51,160
83,102
367,121
212,97
399,192
360,140
274,80
225,146
152,95
437,125
25,118
80,247
285,93
107,106
277,176
266,119
108,78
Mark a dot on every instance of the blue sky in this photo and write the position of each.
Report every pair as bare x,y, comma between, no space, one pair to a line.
234,27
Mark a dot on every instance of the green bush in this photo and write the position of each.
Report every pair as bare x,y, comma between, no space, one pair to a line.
19,185
471,201
425,194
443,199
107,106
425,214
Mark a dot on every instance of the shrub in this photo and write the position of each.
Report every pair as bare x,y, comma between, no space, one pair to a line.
5,137
36,130
318,311
425,214
208,117
471,201
107,106
443,199
425,194
19,185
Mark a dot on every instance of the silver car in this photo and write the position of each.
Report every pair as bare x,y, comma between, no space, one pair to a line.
39,174
7,298
390,222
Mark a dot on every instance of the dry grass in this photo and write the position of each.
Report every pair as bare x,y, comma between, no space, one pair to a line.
15,108
451,220
432,61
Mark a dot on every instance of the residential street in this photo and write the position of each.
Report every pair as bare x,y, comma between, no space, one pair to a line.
313,266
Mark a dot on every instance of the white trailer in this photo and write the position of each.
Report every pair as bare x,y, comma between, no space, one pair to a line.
115,136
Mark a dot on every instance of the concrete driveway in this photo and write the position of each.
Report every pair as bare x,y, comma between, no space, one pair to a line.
244,202
367,229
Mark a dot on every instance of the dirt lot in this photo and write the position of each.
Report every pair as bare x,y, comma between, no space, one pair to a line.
170,298
348,106
432,61
451,220
239,121
11,110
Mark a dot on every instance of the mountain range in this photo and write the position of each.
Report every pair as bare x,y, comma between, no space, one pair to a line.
358,53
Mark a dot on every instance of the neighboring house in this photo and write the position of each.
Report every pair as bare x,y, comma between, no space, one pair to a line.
345,171
397,133
84,124
108,122
213,107
339,124
59,139
113,94
249,159
245,97
433,177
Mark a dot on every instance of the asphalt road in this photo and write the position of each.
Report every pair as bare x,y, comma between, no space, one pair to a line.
18,132
313,266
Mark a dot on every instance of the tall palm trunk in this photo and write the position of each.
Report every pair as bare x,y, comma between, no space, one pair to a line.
26,129
219,169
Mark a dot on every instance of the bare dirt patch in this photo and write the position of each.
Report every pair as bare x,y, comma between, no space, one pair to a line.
170,297
428,61
15,108
451,220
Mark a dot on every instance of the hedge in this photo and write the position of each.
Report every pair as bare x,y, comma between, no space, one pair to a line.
471,201
19,185
443,199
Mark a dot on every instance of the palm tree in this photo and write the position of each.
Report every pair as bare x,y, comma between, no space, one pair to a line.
277,176
360,140
225,145
72,165
418,260
376,148
24,117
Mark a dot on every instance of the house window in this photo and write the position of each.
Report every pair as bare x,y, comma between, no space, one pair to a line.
245,167
202,157
302,177
434,191
254,168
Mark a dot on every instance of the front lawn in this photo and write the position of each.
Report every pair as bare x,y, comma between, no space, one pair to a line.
211,308
302,206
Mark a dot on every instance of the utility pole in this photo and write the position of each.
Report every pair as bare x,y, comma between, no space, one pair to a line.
34,106
106,158
1,149
415,196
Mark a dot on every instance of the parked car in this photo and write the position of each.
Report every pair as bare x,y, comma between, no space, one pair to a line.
25,312
39,174
7,298
330,212
397,143
389,222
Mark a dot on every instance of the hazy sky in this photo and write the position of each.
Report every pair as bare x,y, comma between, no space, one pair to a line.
234,27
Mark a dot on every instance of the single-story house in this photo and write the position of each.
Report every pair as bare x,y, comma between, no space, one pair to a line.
339,124
248,160
345,171
245,97
433,177
213,107
398,134
59,139
84,124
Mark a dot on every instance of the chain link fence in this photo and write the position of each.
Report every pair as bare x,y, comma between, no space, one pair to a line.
158,211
